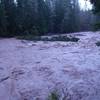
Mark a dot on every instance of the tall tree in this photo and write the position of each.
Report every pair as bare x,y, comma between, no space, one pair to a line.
9,8
96,4
3,21
96,10
43,16
7,18
38,17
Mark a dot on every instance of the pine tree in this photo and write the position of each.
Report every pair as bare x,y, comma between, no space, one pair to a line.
96,10
3,21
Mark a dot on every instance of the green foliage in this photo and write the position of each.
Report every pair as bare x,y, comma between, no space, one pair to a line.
97,26
34,31
53,96
3,21
96,4
98,43
96,10
38,17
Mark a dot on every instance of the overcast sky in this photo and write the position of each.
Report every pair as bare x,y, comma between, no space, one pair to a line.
85,5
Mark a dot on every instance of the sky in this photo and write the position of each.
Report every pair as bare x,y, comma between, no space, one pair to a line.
85,5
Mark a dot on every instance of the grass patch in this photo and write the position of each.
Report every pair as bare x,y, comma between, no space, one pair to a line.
53,96
98,43
53,38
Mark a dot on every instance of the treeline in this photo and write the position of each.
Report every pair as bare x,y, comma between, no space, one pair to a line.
39,17
96,4
96,10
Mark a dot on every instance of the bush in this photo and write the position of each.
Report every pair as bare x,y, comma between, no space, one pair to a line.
98,43
97,26
34,31
53,96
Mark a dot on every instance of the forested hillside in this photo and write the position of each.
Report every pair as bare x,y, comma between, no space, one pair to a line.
39,17
96,10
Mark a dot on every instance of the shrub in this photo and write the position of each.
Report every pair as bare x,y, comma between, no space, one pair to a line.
53,96
98,43
97,26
